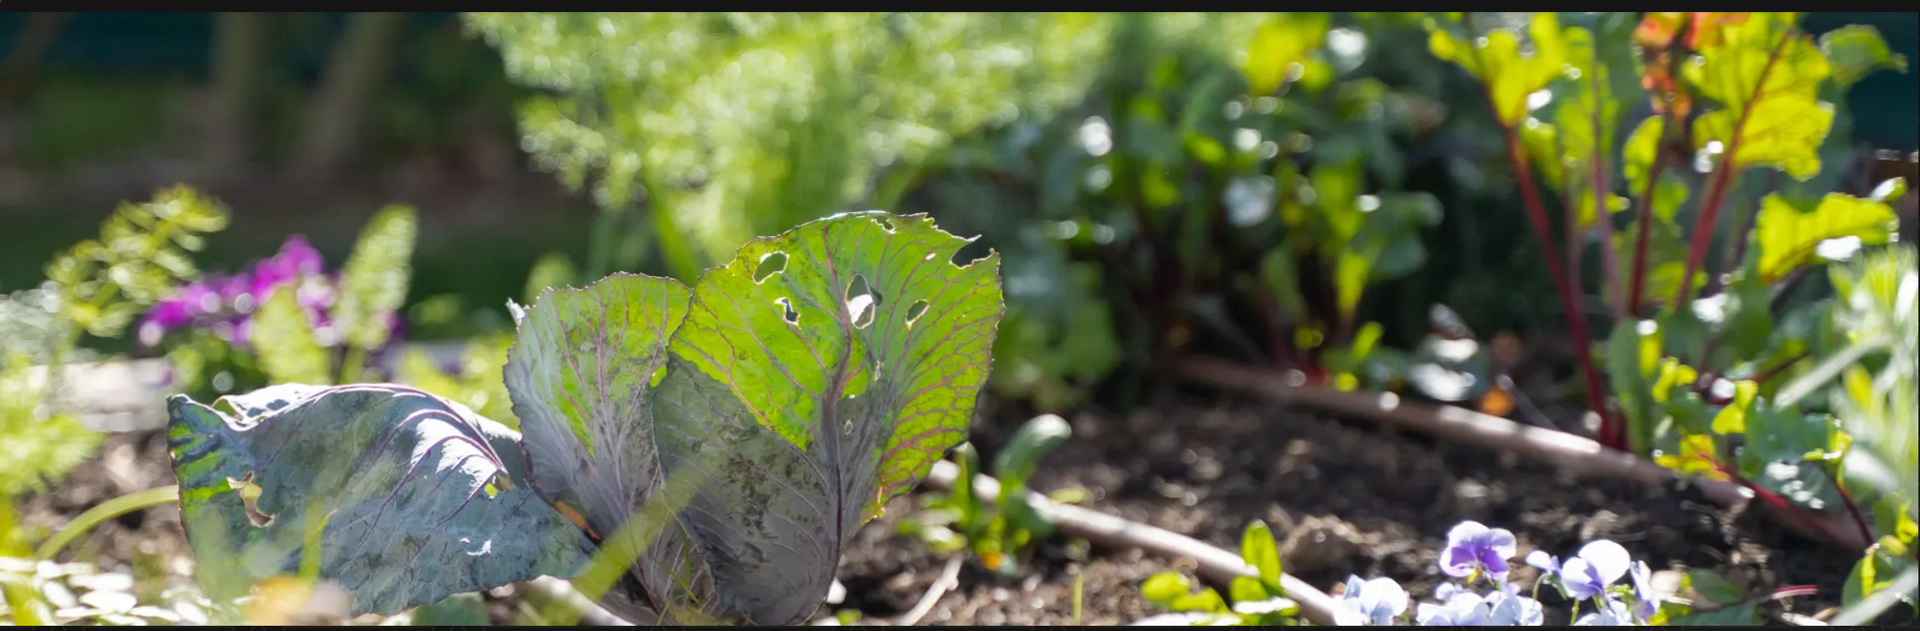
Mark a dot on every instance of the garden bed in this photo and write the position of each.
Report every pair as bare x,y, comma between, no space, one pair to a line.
1343,498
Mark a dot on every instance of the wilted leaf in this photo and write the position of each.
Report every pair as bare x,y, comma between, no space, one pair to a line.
419,499
1766,77
373,284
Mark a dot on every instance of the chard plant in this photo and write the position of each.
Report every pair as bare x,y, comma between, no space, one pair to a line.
1730,94
697,455
1709,362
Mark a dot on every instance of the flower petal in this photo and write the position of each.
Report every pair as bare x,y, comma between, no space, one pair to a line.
1501,541
1464,532
1609,560
1544,562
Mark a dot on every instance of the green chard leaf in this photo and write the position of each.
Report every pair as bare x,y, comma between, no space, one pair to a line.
1766,75
1789,235
1497,60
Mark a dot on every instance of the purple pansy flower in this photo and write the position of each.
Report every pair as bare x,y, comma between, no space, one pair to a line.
1597,565
1645,601
1471,546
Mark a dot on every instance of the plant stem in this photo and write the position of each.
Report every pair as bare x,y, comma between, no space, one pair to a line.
1853,508
1611,434
1602,216
1636,295
1722,180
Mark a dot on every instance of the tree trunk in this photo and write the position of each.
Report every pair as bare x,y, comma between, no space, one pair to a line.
35,36
239,59
337,120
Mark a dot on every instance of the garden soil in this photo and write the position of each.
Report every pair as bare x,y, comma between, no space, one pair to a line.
1344,498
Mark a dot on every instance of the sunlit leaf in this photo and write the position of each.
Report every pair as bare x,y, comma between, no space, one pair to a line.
420,499
373,283
1766,76
1788,235
1697,457
1498,60
1284,40
831,384
283,341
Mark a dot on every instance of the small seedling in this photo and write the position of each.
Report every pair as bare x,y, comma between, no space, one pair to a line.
1258,600
1001,532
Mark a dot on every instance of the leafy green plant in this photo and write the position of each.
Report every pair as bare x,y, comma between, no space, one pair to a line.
284,320
999,533
1717,385
748,123
704,452
94,288
1559,98
1257,600
1191,195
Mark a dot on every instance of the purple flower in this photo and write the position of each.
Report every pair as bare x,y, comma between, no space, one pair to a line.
1597,565
1375,602
1472,547
295,261
1645,601
1548,564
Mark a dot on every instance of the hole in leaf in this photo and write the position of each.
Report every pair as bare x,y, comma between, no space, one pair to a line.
972,251
887,225
862,301
787,312
770,263
914,311
249,496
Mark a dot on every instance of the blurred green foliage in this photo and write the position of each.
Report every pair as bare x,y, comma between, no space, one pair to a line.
94,288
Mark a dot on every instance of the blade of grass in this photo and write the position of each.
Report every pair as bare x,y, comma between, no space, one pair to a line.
139,500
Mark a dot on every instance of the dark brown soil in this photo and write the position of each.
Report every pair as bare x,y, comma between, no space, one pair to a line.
1343,498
